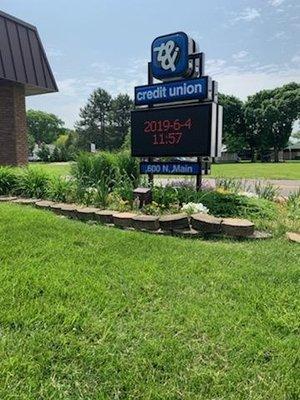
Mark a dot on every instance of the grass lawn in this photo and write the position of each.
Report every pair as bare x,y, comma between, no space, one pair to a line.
58,169
288,170
89,312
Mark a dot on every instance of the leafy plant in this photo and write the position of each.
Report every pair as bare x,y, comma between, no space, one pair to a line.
8,179
268,191
128,166
33,182
230,184
60,189
293,204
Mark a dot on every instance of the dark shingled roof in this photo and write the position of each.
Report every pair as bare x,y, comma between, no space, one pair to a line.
22,57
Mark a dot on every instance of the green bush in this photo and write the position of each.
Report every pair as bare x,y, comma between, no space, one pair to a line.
32,182
60,189
219,204
128,166
8,179
92,168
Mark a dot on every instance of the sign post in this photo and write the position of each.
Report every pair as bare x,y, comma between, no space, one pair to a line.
178,117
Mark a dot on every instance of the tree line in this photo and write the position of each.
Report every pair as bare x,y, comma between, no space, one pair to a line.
262,123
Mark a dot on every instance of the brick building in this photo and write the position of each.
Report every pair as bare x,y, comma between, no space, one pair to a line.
24,71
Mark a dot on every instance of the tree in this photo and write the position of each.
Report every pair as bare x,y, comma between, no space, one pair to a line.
121,107
104,121
270,115
95,119
44,153
31,143
44,127
234,122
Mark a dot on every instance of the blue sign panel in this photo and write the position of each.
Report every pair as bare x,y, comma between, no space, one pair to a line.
171,168
170,56
188,89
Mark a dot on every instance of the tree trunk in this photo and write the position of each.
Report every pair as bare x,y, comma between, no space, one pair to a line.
276,155
253,155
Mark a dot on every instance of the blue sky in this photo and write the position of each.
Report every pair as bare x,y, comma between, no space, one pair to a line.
249,45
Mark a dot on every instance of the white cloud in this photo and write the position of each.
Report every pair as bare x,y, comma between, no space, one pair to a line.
240,55
275,3
296,59
249,14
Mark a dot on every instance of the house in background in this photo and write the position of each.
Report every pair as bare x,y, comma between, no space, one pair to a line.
292,152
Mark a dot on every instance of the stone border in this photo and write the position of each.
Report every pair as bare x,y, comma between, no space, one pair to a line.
197,225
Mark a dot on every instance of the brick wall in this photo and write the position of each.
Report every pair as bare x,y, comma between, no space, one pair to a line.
13,130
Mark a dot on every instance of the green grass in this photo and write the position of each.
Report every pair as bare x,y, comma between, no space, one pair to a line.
57,169
287,170
89,312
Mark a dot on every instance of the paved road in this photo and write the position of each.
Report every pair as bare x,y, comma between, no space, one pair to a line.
285,186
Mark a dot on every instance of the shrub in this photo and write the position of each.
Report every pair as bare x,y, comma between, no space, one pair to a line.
44,153
268,191
8,179
128,166
91,168
293,204
60,189
230,184
32,182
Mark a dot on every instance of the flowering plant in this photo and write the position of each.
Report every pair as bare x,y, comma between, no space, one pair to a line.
192,208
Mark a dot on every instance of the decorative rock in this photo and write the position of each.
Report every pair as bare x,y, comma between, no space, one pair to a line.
188,233
56,207
175,221
87,213
68,210
259,235
25,201
293,236
105,216
7,198
237,227
205,223
123,220
148,222
44,204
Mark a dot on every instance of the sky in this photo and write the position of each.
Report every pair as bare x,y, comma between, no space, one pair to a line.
249,45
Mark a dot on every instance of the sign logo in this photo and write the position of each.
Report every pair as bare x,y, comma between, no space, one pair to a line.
167,54
170,56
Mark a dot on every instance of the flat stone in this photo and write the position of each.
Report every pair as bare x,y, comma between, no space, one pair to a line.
7,198
147,222
188,233
123,220
25,201
68,210
56,207
87,213
104,216
293,236
206,224
44,204
237,227
174,221
257,235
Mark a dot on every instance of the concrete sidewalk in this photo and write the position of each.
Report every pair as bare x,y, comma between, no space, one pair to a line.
285,186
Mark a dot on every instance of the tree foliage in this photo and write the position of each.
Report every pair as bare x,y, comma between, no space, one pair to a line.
269,116
234,122
104,120
44,127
